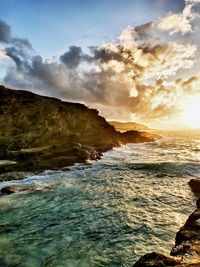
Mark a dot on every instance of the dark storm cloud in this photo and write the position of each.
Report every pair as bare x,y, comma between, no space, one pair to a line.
15,48
5,32
72,58
41,70
13,53
21,43
104,54
18,55
49,73
7,38
144,30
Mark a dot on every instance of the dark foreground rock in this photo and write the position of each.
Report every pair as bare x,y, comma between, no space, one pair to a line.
137,137
195,185
7,176
8,190
156,260
39,133
185,253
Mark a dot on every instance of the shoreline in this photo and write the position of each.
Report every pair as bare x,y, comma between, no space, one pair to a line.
186,250
154,259
12,169
39,133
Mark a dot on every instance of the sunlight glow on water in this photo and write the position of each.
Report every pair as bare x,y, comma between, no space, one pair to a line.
107,213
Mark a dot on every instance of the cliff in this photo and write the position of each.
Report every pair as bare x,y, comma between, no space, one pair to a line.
39,132
128,126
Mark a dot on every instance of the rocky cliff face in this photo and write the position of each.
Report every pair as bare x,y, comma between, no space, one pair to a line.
34,120
38,132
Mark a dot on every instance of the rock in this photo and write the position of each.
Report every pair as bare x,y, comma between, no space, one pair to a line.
128,126
187,242
187,246
8,190
138,137
39,133
195,185
14,176
155,260
198,203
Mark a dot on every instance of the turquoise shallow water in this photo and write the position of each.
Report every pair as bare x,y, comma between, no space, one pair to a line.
106,213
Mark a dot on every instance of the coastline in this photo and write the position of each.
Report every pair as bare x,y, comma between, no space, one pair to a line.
45,190
39,133
186,251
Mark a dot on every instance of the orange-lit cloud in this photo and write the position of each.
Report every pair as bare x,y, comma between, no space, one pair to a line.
182,22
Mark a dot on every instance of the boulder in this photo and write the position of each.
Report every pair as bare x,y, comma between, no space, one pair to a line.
195,185
8,190
155,260
185,253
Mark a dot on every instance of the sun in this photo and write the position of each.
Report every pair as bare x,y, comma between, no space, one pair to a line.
190,115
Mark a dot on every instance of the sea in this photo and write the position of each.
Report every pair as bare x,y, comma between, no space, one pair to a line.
103,213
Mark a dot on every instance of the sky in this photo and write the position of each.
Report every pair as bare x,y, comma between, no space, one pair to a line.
54,25
133,60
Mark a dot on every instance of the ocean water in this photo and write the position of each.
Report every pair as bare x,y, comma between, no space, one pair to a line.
104,213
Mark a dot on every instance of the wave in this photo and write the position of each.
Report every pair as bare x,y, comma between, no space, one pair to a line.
187,168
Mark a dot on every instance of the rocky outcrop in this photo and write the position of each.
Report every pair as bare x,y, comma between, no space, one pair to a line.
185,253
39,132
156,260
137,137
195,186
128,126
187,243
8,190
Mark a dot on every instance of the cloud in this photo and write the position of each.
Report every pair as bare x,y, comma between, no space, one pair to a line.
189,2
182,22
189,86
17,49
139,75
19,56
2,53
5,32
7,38
176,23
73,57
